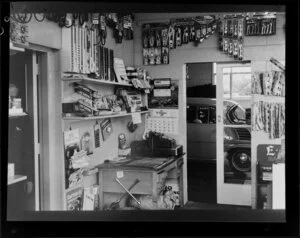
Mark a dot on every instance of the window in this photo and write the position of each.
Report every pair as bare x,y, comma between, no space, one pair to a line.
237,83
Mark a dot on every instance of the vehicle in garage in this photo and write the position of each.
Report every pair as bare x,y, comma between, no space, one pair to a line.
201,134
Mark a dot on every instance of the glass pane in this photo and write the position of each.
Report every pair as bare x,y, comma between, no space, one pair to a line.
226,86
241,69
237,155
241,85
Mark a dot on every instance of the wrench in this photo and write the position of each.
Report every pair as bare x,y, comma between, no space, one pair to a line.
127,191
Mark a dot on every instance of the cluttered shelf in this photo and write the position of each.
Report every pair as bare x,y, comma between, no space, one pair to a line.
82,77
100,117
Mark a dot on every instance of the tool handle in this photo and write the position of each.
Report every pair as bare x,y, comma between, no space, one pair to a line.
127,191
125,194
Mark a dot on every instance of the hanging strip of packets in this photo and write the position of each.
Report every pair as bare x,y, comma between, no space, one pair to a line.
155,44
270,83
269,117
260,25
159,38
231,30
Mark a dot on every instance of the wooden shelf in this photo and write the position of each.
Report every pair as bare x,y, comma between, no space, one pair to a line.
15,115
16,179
79,77
14,49
101,117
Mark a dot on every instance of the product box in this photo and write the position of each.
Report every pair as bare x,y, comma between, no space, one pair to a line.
11,170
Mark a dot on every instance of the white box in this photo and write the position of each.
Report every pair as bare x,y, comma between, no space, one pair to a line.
11,170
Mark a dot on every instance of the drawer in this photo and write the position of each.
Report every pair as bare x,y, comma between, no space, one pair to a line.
109,184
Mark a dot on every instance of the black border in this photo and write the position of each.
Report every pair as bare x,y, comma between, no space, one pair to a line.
178,223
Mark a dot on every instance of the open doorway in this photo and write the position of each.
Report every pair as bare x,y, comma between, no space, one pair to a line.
25,131
202,149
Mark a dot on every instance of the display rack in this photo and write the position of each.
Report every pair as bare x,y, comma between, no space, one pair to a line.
16,179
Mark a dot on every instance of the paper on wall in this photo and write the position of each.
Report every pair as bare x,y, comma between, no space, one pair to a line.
136,118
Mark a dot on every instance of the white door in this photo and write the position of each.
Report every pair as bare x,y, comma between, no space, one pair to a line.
229,192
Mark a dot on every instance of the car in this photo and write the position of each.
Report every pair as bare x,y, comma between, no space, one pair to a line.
201,133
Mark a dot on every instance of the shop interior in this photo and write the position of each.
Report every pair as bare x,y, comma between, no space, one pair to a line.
146,111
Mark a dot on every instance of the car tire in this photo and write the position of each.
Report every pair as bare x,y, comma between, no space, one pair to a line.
240,160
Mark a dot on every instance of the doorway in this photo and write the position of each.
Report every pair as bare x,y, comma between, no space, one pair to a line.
24,146
205,180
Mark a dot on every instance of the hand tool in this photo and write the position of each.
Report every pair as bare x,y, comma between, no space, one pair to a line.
116,204
127,191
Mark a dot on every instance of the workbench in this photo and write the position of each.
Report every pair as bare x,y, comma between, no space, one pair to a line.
151,172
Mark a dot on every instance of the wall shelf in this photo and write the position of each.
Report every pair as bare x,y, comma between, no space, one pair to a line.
15,115
100,117
14,49
16,179
79,77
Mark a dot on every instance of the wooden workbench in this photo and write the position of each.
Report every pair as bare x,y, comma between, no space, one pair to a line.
151,171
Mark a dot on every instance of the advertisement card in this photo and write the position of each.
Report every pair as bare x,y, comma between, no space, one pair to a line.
74,198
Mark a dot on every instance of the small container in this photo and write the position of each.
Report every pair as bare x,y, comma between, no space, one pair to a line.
17,103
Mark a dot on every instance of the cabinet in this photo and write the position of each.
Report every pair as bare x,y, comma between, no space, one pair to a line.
151,179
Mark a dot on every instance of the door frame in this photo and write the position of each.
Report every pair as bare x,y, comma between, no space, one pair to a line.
49,191
242,192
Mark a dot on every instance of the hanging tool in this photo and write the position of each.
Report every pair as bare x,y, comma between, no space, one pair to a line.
127,191
115,205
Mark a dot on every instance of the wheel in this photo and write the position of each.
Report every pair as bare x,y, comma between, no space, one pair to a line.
241,160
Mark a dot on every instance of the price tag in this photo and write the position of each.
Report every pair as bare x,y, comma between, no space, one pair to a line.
120,174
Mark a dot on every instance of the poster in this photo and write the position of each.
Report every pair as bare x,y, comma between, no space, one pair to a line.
74,198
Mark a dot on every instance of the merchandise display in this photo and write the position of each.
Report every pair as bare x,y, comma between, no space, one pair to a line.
271,83
260,25
231,30
159,38
269,117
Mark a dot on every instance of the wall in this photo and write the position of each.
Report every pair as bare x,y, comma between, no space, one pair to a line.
44,33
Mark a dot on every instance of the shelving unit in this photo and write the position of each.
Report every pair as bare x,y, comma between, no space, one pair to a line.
16,179
15,115
101,117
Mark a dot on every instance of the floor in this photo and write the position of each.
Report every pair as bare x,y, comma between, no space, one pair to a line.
202,187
